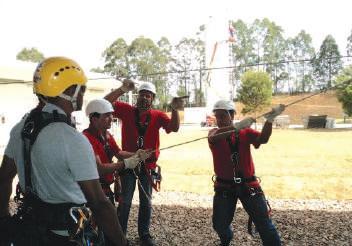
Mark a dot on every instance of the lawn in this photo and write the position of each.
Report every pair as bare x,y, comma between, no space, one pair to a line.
307,164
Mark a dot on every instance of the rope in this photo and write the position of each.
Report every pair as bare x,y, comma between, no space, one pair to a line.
158,215
345,83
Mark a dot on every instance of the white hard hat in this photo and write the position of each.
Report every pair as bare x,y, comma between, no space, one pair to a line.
223,104
147,86
100,106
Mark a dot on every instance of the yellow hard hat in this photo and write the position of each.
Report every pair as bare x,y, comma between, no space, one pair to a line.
55,74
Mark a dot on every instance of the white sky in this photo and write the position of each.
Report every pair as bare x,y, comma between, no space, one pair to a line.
83,29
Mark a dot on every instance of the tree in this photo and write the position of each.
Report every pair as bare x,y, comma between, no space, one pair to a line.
189,54
116,59
243,48
30,55
300,48
327,62
349,44
344,93
97,70
274,46
255,92
141,59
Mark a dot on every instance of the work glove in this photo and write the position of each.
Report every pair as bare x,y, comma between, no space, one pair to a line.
245,123
140,155
143,154
177,103
127,85
132,162
274,112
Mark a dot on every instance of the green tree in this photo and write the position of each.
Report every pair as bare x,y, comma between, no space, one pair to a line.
255,92
327,62
274,46
344,93
189,55
30,55
142,59
116,59
97,70
300,48
243,49
349,45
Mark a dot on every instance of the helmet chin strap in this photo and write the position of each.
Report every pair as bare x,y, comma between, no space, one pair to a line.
72,99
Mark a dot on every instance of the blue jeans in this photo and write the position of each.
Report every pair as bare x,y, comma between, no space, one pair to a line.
224,207
128,184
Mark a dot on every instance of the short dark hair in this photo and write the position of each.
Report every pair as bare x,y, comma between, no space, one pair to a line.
95,114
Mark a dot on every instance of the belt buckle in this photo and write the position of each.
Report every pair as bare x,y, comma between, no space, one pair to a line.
237,180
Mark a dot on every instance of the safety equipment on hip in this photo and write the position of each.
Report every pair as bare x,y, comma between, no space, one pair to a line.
100,106
127,85
274,112
55,74
245,123
225,105
85,231
147,86
132,162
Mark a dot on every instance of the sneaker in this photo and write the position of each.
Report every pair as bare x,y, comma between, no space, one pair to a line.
147,240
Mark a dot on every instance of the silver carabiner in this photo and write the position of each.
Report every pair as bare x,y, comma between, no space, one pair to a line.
237,180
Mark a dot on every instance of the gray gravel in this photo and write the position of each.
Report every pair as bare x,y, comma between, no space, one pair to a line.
185,219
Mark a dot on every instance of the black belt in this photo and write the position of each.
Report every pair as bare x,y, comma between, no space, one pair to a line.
236,180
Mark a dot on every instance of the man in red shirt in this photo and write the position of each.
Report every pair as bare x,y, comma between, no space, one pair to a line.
140,130
235,175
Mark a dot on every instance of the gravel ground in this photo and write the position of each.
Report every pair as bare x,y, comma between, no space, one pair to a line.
185,219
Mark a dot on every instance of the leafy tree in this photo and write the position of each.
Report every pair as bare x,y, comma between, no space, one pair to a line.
349,44
243,48
189,54
31,55
344,93
142,59
97,70
327,62
116,59
256,91
300,48
274,50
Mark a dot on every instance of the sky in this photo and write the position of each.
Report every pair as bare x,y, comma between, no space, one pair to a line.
82,30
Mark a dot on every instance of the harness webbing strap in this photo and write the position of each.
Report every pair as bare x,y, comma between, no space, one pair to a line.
33,125
233,141
141,128
48,214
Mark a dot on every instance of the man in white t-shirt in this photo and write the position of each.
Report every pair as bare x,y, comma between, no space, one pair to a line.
62,163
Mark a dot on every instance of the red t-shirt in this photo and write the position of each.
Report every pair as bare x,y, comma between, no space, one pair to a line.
223,165
99,150
158,119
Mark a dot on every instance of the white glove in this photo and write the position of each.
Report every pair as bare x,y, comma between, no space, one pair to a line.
143,154
177,103
245,123
132,162
127,85
274,112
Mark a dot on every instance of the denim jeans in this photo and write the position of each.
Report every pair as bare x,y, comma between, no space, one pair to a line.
128,183
224,207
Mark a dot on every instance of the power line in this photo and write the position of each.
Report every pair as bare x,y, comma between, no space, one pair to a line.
136,74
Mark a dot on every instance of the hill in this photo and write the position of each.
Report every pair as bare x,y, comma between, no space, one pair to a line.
321,104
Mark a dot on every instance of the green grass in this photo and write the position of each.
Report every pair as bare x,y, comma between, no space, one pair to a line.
308,164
